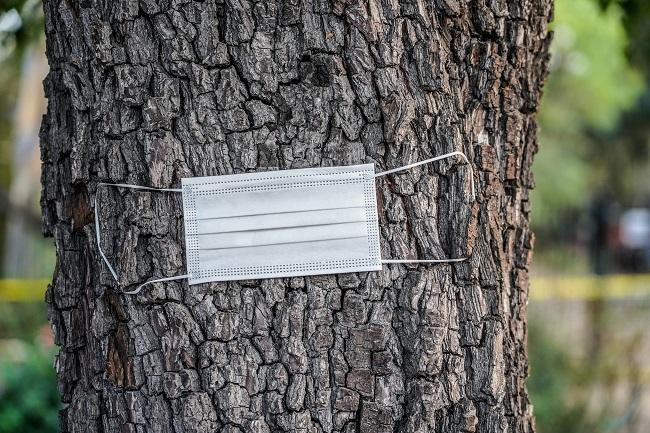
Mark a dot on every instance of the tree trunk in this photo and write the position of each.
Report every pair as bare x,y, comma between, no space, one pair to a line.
149,92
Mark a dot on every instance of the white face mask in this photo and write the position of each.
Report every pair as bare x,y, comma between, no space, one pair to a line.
281,223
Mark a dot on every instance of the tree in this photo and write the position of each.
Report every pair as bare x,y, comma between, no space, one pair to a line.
149,92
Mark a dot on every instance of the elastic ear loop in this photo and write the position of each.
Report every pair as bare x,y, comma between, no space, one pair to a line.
428,161
99,239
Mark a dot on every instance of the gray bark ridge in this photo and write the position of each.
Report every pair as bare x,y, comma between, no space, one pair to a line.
147,92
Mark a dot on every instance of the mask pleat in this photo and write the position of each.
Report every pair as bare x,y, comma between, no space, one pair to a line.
296,199
282,236
281,220
281,254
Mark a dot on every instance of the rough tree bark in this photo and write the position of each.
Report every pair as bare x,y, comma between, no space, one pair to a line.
148,92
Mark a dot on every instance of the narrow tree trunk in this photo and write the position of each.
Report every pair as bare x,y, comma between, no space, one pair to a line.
149,92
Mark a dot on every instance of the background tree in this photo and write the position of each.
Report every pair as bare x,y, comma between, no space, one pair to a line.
148,92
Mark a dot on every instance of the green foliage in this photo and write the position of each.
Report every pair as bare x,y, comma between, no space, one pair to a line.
22,320
591,75
590,86
637,24
29,400
557,389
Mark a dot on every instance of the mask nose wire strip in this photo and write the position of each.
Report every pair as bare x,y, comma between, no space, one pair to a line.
99,236
428,161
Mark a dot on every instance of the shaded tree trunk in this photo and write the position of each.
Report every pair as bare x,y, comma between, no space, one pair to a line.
149,92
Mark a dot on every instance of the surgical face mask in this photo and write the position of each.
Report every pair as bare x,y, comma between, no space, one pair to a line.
281,223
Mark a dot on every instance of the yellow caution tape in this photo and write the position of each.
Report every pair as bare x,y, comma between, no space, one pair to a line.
23,290
542,288
590,287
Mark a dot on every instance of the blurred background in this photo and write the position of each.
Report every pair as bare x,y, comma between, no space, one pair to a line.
590,293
